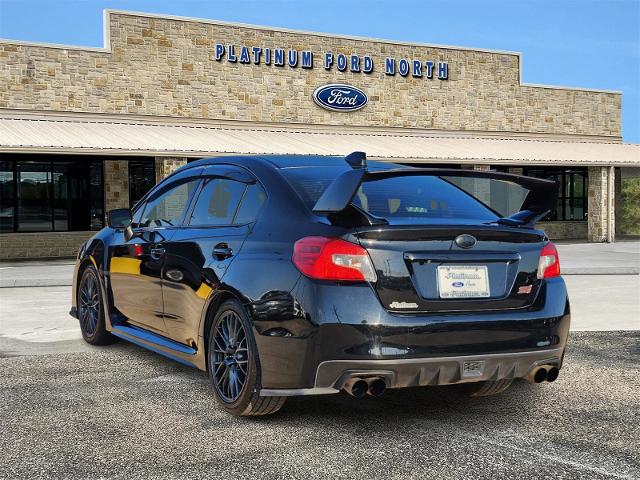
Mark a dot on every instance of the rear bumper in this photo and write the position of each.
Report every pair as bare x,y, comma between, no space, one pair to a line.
333,374
335,330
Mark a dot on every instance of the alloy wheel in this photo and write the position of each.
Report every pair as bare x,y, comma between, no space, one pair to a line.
89,305
230,358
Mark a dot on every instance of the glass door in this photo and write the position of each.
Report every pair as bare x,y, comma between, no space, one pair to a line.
35,213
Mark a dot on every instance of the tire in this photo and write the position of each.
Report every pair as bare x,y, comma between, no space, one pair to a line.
483,389
91,312
234,365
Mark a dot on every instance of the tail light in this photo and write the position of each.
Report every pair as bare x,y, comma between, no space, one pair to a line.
333,259
549,264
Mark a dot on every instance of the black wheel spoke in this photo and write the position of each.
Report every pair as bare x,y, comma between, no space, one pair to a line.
229,356
89,305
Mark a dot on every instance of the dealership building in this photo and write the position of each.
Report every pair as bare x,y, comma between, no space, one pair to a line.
84,130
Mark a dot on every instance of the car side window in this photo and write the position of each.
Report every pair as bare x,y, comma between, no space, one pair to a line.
252,201
167,209
217,202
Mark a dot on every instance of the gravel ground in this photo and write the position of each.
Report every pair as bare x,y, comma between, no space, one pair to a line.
122,412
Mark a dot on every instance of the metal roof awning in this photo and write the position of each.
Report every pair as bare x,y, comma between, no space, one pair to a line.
77,135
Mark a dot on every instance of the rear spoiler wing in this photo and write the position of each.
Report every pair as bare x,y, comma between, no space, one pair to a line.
540,200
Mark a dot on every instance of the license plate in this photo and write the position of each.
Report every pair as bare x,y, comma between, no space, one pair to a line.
463,281
472,369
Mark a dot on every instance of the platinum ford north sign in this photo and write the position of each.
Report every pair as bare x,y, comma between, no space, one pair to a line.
340,98
292,58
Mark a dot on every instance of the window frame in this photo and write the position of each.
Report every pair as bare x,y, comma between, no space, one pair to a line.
255,219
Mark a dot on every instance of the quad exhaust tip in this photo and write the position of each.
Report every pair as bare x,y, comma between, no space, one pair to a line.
377,386
358,387
544,373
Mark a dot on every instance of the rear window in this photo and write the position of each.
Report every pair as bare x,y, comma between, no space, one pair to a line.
396,197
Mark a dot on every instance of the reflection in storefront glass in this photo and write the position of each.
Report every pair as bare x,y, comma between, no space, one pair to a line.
34,197
7,212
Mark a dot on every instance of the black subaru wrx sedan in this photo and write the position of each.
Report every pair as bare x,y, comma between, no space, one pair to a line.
298,275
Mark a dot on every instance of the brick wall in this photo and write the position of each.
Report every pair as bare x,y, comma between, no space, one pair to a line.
167,67
14,246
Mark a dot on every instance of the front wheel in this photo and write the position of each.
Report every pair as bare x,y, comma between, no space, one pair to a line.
234,367
91,309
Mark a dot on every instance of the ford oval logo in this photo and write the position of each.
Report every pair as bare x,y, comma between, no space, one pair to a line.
465,241
340,98
457,284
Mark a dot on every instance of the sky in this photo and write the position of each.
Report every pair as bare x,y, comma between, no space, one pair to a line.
577,43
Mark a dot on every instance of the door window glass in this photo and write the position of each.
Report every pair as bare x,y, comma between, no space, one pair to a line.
217,202
167,209
252,201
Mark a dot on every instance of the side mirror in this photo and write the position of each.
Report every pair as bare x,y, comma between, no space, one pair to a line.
119,218
129,233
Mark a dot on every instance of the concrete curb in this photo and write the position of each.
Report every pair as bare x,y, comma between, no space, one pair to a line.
26,283
600,271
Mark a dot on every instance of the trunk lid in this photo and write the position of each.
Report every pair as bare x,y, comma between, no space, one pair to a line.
417,267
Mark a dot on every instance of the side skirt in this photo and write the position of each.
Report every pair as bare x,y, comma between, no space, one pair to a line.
157,343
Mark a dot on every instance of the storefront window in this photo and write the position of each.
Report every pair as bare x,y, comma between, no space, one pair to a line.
96,194
7,191
142,178
35,210
572,191
47,193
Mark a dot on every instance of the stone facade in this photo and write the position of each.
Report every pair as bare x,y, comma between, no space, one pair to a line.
16,246
166,165
558,230
167,67
601,217
116,184
161,66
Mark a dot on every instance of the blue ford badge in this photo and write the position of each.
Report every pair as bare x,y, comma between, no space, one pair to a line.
340,98
458,284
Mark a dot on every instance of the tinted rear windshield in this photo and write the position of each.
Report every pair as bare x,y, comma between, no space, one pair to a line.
396,197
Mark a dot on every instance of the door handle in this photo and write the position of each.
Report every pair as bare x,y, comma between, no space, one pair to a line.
156,253
222,251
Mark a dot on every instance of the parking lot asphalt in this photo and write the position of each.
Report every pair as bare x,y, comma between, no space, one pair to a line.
70,410
122,412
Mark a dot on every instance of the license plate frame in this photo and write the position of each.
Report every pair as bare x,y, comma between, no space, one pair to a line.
463,282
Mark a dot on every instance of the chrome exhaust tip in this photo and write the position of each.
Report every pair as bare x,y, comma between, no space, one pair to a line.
356,387
537,375
377,386
552,374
